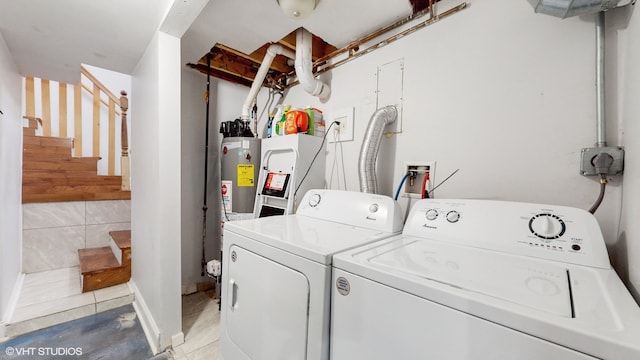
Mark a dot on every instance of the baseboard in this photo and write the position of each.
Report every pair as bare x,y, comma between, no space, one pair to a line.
3,330
146,319
13,300
177,339
196,287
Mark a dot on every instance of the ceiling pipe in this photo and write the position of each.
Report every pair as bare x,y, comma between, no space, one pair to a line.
272,51
569,8
601,129
304,67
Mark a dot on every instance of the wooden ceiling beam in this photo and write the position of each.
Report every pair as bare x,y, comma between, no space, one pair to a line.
319,47
221,74
240,68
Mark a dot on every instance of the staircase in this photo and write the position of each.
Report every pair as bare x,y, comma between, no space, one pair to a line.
50,173
106,266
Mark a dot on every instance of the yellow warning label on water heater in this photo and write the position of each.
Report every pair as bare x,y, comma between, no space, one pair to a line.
245,175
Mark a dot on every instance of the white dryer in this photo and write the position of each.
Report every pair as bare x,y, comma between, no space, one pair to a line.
277,273
473,279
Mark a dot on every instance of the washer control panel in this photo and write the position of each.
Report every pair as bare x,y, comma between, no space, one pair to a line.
546,231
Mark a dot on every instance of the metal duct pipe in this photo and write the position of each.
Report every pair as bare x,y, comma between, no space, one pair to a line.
601,129
370,146
568,8
272,51
304,67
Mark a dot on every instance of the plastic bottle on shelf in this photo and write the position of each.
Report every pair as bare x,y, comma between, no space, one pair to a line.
275,124
283,119
270,125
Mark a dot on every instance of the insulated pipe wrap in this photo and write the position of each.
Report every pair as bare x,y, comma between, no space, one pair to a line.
370,146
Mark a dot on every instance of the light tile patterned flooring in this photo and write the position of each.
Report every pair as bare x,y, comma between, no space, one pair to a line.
53,297
200,325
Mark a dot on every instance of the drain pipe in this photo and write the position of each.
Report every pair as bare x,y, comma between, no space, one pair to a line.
601,130
370,146
304,67
272,51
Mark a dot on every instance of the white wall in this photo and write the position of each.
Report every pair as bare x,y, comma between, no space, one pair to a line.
10,178
627,27
503,94
225,103
155,195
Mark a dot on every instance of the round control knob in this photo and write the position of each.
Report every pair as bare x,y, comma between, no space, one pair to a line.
431,214
314,200
373,208
453,216
547,226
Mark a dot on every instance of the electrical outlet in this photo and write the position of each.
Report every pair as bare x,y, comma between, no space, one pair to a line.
344,131
413,185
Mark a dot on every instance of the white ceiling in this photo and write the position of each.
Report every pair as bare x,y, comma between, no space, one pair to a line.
50,39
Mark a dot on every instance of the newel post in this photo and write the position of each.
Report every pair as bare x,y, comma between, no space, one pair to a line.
124,160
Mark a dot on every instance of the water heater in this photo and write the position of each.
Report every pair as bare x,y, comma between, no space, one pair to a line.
240,166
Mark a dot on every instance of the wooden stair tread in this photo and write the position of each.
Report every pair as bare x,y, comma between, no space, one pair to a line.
85,196
39,149
84,163
57,173
97,259
47,141
122,238
46,178
46,156
44,188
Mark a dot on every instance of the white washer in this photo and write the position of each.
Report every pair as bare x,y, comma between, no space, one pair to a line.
277,273
473,279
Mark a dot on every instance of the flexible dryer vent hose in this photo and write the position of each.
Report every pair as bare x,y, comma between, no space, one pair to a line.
370,146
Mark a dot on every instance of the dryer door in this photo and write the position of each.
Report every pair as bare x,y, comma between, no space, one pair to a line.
267,307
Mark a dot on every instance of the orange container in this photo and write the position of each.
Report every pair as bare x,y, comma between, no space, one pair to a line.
296,121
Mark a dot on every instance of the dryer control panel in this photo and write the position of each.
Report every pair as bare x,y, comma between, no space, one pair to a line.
545,231
378,212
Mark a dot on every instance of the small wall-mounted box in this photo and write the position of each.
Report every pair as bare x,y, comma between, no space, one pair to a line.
420,169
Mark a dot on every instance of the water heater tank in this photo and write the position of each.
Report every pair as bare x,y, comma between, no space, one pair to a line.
240,166
568,8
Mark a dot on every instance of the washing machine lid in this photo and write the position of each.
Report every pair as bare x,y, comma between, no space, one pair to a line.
540,286
583,308
314,239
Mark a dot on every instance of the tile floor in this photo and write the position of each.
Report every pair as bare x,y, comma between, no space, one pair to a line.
113,334
54,297
200,325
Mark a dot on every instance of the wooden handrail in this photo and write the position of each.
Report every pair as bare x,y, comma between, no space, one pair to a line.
102,88
102,124
101,100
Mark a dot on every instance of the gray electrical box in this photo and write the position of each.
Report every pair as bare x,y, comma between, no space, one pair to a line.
588,154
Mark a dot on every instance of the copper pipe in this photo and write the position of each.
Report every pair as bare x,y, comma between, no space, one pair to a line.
392,38
369,37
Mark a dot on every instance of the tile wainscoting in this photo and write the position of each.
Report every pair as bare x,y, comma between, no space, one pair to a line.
53,232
